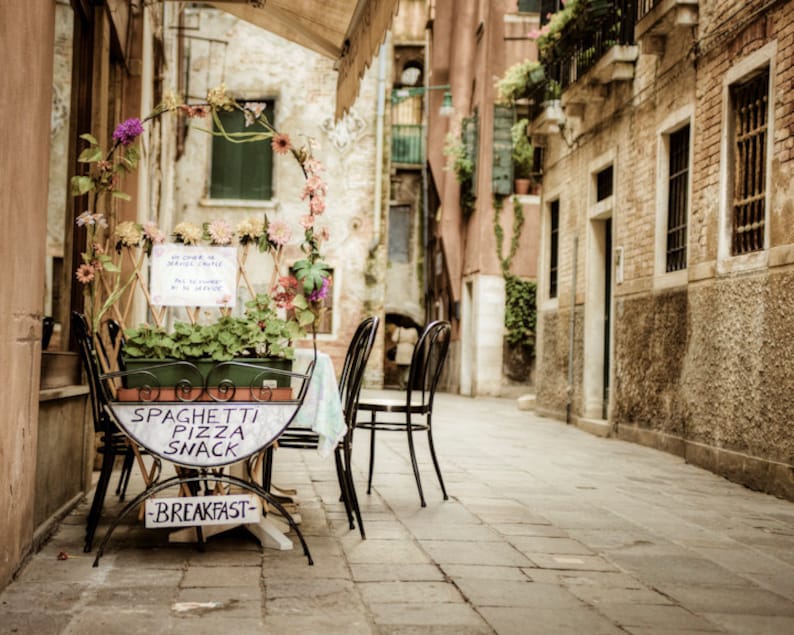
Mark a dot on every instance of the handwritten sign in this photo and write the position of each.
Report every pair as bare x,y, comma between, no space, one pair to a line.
204,434
201,510
188,275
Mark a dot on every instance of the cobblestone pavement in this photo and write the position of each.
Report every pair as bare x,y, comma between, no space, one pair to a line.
548,530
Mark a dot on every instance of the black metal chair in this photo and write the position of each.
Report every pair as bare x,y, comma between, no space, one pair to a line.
112,442
304,438
415,412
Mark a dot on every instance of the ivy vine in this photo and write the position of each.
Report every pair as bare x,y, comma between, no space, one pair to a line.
520,305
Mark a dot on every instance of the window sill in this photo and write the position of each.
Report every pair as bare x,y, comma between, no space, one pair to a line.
271,204
744,263
671,280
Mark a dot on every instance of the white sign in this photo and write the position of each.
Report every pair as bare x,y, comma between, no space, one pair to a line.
188,511
188,275
205,434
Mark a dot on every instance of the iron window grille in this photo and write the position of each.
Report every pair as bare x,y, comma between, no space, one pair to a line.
677,199
554,246
750,115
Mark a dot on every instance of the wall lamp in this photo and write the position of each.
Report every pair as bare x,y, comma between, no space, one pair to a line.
401,94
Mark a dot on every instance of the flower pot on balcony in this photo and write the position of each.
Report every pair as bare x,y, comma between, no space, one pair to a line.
521,186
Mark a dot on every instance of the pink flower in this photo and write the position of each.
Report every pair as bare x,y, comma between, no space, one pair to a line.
307,221
279,232
152,233
534,34
317,205
220,232
281,143
84,273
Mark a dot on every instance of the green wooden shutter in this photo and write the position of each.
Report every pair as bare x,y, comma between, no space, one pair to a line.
241,170
502,168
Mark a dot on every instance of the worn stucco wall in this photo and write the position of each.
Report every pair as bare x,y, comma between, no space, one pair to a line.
256,64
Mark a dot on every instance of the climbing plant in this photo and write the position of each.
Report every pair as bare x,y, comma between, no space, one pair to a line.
520,306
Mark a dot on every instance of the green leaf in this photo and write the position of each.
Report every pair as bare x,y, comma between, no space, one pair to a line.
111,267
121,195
90,138
90,155
81,185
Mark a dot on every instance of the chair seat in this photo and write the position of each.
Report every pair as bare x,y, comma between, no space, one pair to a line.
392,405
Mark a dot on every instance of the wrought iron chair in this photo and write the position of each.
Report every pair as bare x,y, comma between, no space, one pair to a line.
413,413
112,442
303,438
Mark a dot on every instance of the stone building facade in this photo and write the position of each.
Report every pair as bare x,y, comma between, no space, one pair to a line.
666,279
469,47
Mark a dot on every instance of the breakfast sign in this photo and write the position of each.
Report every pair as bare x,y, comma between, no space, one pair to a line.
204,434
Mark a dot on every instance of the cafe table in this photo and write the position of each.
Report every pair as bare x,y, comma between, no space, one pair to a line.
203,438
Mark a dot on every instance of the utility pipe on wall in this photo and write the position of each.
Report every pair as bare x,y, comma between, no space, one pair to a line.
571,331
380,116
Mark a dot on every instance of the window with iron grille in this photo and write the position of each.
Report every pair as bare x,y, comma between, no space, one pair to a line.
750,115
677,200
241,170
554,246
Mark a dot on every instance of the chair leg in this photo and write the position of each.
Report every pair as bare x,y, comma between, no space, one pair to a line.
126,470
351,488
414,464
435,460
267,469
108,459
343,486
371,454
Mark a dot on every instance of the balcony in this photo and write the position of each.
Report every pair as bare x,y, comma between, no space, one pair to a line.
601,38
408,144
657,19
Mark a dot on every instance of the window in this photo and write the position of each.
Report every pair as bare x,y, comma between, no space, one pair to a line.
554,246
399,233
604,184
677,200
749,101
241,170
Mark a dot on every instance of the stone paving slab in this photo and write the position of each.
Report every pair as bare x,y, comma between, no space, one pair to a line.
547,530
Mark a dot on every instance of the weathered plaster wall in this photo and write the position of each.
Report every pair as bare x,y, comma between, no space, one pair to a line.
25,111
256,64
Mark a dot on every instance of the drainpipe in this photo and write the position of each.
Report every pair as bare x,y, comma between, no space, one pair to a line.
571,331
379,121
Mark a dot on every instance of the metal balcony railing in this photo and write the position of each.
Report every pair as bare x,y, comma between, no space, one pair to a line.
584,41
408,144
644,7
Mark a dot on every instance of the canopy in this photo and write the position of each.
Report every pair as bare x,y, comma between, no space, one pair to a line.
349,31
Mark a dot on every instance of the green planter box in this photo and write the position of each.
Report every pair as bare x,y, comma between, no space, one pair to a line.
242,372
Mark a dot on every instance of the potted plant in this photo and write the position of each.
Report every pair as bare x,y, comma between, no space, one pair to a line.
519,81
238,351
523,157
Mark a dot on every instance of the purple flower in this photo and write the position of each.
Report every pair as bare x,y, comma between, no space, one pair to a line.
127,131
319,294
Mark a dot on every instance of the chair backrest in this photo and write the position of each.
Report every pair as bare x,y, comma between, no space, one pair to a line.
427,362
356,358
96,388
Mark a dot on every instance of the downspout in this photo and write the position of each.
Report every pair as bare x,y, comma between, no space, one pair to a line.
379,125
571,332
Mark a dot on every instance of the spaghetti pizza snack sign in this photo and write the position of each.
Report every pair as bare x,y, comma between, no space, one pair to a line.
188,275
205,434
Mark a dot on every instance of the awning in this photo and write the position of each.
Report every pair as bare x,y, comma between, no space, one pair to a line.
349,31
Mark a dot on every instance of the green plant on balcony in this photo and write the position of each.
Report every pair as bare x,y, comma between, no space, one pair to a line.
520,80
579,15
523,153
461,164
